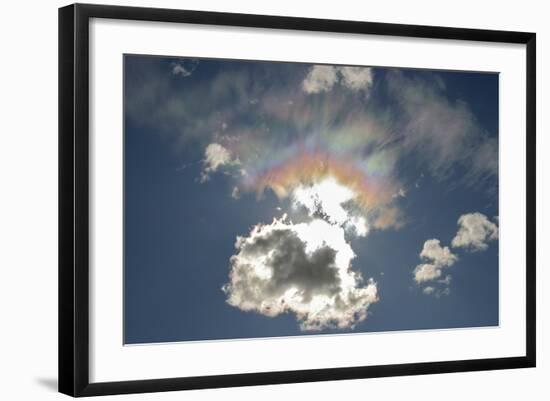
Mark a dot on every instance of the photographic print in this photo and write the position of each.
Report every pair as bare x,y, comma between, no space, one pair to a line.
267,199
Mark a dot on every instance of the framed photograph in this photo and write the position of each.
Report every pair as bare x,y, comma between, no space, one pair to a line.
249,199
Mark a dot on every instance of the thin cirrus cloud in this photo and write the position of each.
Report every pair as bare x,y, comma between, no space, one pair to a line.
475,230
445,130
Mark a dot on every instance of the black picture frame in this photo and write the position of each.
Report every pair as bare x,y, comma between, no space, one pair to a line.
74,198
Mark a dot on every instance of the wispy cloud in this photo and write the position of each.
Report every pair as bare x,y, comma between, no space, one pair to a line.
442,132
184,67
268,115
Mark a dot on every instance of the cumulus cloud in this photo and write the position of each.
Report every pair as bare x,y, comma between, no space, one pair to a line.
216,157
437,258
475,231
426,272
356,78
321,78
303,269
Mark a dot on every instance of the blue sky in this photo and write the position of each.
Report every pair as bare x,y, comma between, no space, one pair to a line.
276,199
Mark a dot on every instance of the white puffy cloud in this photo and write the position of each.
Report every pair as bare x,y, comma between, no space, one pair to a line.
215,157
475,230
437,258
321,78
356,78
301,268
441,256
426,272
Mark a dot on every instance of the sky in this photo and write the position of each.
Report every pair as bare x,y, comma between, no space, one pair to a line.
266,199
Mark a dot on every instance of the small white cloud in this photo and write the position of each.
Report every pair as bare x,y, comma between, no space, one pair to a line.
438,258
440,255
179,69
216,157
235,193
320,78
475,230
426,272
428,290
300,268
184,68
356,78
436,292
400,194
